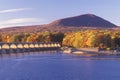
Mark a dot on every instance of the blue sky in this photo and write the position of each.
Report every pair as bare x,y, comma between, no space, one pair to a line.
36,12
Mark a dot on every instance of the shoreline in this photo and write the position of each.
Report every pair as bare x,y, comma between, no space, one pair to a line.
92,52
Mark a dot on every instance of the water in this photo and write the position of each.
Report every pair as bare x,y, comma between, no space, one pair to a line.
52,66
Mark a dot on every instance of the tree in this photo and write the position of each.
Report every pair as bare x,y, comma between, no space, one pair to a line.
56,37
107,40
92,41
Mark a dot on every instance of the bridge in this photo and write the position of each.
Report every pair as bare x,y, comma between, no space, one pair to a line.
17,47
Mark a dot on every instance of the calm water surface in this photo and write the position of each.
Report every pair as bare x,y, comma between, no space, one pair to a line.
52,66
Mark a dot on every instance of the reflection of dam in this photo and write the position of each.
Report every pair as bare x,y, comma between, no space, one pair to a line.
17,47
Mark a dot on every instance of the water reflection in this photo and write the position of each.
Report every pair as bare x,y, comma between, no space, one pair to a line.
16,55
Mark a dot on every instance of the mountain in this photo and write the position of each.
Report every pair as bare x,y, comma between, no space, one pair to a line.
85,20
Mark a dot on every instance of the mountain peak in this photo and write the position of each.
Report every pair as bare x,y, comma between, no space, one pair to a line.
85,20
89,15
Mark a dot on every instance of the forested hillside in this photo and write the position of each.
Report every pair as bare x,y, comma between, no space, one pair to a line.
87,30
92,38
81,38
32,37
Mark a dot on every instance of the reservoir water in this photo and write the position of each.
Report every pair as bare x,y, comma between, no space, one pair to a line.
57,66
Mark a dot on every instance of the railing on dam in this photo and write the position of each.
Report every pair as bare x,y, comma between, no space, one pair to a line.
17,47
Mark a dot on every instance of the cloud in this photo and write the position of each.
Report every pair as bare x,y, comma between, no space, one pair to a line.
19,22
13,10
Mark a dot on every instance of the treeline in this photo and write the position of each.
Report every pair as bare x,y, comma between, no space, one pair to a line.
92,38
32,37
82,38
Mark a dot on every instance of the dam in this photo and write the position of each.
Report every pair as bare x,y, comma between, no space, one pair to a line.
21,47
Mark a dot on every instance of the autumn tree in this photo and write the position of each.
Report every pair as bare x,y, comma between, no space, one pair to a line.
56,37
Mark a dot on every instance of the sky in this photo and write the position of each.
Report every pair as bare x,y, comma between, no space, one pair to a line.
38,12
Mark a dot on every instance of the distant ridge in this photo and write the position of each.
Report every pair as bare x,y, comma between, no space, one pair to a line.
85,20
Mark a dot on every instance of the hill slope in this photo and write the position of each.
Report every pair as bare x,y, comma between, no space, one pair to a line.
87,20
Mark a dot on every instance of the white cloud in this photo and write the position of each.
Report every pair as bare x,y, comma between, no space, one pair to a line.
13,10
19,22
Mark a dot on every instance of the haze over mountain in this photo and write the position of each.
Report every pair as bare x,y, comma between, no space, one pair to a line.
85,20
